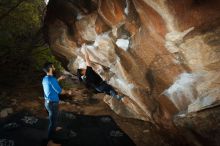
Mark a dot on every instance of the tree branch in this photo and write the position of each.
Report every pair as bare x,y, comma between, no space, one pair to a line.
10,10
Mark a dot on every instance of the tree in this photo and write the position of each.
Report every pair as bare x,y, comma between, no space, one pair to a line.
10,10
20,32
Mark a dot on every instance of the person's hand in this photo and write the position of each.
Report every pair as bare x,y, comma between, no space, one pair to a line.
61,78
69,92
86,55
84,49
125,100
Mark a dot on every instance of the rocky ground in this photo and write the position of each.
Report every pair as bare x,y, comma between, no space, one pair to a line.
84,101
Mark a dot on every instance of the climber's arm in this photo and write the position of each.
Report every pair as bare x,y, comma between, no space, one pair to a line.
88,62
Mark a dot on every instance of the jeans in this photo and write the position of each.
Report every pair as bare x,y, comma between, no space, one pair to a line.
108,89
52,108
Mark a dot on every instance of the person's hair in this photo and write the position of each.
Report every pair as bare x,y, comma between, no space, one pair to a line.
47,67
79,74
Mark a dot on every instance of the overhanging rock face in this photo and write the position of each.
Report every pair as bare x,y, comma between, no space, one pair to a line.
163,55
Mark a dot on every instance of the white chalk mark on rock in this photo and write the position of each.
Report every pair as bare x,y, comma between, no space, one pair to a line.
123,43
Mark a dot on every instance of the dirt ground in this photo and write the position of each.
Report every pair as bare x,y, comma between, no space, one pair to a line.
83,101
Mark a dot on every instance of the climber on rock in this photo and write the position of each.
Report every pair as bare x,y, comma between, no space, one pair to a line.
51,90
90,78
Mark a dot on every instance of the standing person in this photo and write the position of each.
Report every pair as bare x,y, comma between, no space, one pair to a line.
52,89
90,78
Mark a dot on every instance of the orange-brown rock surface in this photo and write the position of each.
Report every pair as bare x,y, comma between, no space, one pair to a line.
162,54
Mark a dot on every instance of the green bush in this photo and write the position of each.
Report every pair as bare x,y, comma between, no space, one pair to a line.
42,55
22,47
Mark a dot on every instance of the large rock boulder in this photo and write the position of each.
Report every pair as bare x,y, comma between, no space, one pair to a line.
163,55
